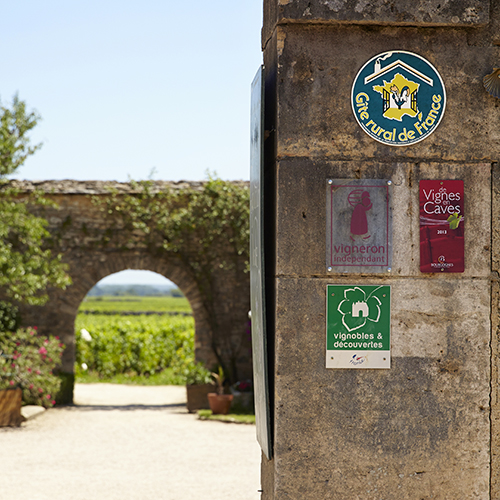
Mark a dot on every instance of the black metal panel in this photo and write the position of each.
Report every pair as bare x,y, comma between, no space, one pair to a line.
257,272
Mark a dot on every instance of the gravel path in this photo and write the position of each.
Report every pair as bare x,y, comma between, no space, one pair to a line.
128,443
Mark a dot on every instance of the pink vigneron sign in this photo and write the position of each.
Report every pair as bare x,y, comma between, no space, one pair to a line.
441,226
359,235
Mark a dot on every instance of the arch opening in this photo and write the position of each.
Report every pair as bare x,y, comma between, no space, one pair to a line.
61,315
134,326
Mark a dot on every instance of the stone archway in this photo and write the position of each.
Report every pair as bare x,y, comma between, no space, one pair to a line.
79,233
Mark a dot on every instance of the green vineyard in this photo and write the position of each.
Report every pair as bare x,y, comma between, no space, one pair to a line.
117,304
119,347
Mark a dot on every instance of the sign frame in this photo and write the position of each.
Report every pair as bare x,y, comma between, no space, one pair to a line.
358,326
354,206
442,226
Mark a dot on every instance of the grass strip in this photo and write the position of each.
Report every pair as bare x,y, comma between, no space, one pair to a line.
166,377
232,418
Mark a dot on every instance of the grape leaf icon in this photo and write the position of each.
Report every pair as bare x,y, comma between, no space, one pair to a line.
454,220
357,308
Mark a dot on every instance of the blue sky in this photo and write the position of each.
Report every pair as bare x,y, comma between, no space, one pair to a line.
128,88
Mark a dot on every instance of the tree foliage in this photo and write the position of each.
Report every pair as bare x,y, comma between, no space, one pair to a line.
26,267
15,145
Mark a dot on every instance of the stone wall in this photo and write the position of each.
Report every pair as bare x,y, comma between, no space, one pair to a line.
423,428
88,240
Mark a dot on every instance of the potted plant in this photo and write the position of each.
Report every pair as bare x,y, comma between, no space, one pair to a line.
243,401
219,402
27,361
198,385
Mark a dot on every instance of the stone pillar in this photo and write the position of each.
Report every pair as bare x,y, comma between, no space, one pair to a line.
423,428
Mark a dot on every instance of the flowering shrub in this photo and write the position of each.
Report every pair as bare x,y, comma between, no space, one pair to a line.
243,398
243,386
27,360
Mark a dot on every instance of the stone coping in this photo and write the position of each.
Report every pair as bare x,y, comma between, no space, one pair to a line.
69,186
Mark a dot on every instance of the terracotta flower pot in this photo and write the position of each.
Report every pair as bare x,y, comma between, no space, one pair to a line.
10,408
220,403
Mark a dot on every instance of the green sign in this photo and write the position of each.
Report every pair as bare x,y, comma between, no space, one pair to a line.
358,326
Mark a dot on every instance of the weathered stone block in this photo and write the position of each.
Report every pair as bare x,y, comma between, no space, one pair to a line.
417,430
495,336
403,12
316,69
301,220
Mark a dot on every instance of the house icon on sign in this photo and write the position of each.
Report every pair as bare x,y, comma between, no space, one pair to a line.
360,309
399,91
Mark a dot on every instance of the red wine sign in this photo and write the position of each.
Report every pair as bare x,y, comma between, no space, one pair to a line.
442,226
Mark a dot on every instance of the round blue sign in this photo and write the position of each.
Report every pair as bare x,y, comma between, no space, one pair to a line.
398,98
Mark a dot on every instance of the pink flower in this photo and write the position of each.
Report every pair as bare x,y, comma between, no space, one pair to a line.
29,370
40,389
46,342
11,382
38,372
57,338
48,396
13,365
53,402
31,386
35,328
42,350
